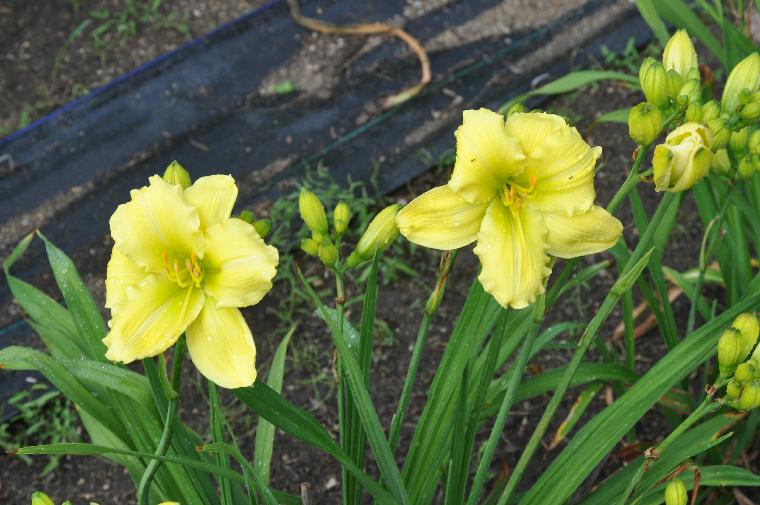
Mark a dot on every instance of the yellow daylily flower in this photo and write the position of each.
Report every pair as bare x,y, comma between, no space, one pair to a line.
180,263
683,159
523,190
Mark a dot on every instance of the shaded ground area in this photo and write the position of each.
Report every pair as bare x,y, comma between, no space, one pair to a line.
309,379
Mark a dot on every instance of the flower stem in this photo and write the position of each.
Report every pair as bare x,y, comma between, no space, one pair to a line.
143,490
506,404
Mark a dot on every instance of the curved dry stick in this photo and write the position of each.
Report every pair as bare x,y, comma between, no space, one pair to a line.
372,29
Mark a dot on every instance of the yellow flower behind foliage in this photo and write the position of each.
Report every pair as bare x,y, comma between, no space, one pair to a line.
524,190
180,263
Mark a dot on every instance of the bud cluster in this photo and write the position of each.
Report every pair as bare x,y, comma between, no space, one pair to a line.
734,347
673,90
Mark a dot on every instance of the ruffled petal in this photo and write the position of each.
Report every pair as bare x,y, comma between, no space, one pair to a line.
121,273
486,156
441,219
213,196
239,266
588,233
512,254
151,319
558,161
221,346
157,221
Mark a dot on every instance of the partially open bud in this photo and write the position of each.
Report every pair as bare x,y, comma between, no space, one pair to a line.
176,174
750,396
328,254
731,352
262,227
341,217
734,389
310,246
312,212
745,75
679,54
721,163
683,159
721,133
382,230
644,123
675,492
654,82
40,498
710,110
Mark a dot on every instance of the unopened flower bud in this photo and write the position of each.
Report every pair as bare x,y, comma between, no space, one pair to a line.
692,90
721,133
675,492
654,82
753,144
312,212
746,371
341,217
328,254
750,396
748,165
734,389
382,230
679,54
310,246
745,75
750,113
731,352
675,83
247,216
683,159
318,237
749,327
721,163
746,96
644,123
40,498
694,112
515,107
710,110
176,174
262,227
738,140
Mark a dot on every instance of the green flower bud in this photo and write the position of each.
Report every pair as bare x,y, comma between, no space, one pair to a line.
745,372
749,327
328,254
312,212
692,90
683,159
515,107
679,54
675,83
750,396
310,246
262,227
753,144
654,82
247,216
731,352
318,237
721,163
176,174
40,498
747,166
721,133
675,492
746,96
734,389
745,75
710,110
738,140
644,123
694,112
341,217
382,230
750,112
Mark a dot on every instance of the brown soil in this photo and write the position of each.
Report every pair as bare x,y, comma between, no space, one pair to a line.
31,34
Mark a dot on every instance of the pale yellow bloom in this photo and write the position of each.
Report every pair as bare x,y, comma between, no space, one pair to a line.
683,159
180,263
523,190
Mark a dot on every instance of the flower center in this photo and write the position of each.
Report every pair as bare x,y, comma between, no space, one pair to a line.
512,194
184,274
